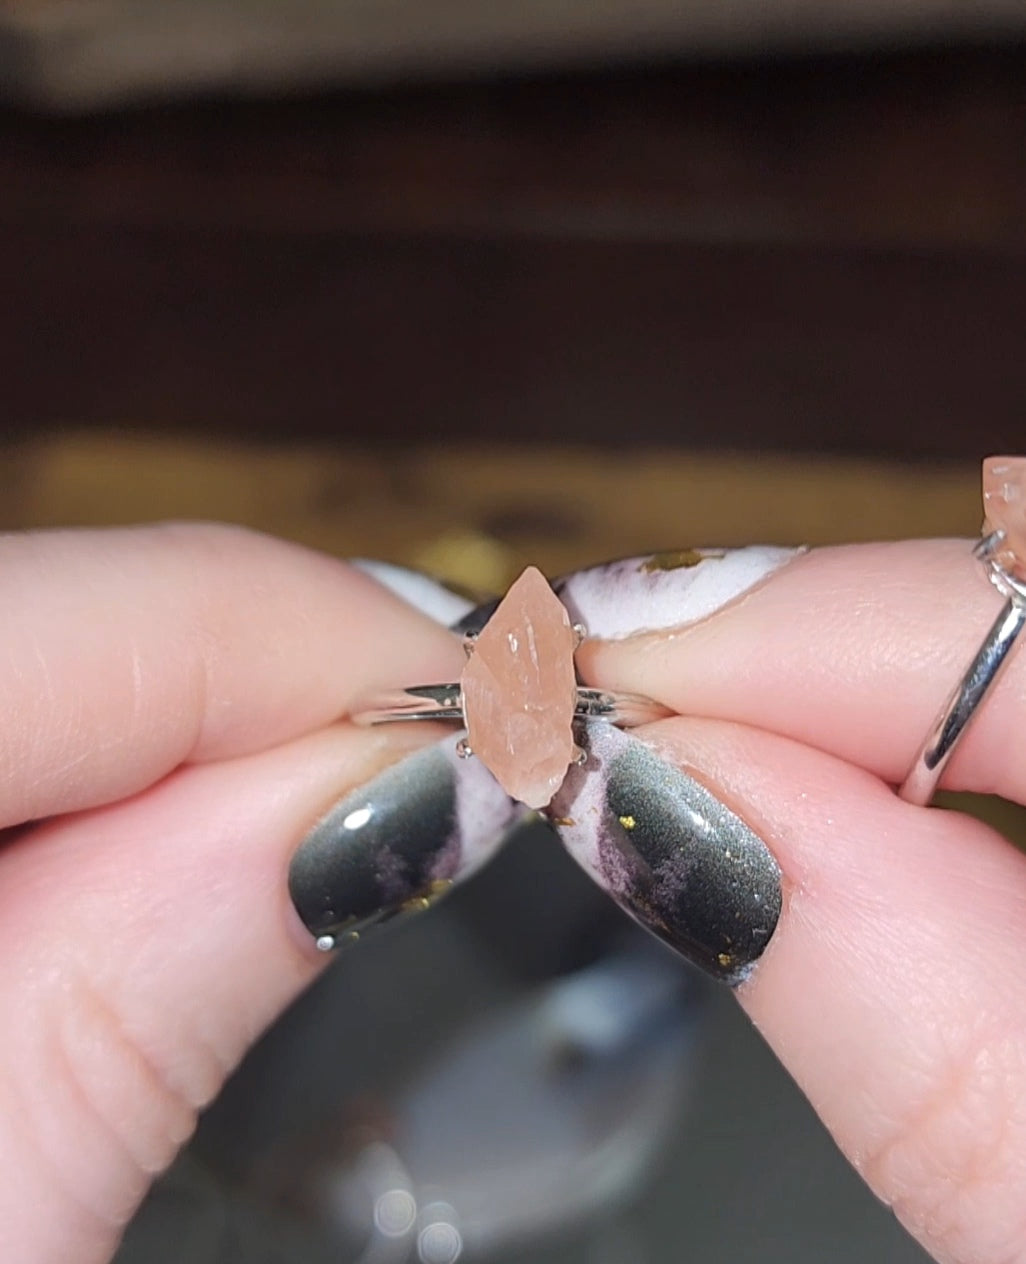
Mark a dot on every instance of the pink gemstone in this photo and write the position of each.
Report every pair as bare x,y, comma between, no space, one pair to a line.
1004,503
520,691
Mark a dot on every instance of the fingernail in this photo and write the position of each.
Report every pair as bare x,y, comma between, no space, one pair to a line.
664,590
398,843
670,853
426,594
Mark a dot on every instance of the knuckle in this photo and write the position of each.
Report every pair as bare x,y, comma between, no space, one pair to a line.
952,1163
101,1116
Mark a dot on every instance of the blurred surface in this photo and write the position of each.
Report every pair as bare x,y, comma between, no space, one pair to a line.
96,51
479,513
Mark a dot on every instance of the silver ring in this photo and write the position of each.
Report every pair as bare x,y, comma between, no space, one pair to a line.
519,697
979,678
445,702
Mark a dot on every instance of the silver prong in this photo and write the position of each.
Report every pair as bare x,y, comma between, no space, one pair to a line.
463,748
469,642
580,756
580,632
989,545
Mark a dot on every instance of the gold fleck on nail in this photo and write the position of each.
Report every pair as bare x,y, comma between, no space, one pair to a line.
676,560
424,899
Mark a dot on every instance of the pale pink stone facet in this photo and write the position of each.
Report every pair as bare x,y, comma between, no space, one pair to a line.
519,692
1004,503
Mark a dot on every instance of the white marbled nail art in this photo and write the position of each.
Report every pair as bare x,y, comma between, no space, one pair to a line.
664,590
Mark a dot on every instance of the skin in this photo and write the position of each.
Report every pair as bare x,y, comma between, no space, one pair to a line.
172,700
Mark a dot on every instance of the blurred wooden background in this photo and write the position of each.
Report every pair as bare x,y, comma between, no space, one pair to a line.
96,52
477,514
816,254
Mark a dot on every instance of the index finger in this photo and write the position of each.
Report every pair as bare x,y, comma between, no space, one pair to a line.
852,650
124,653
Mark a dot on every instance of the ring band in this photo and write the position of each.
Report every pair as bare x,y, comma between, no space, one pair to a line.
519,697
977,681
445,702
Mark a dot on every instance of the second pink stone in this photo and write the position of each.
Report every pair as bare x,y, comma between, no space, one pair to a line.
1004,503
520,691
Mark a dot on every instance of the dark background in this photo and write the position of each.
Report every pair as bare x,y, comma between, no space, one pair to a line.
819,253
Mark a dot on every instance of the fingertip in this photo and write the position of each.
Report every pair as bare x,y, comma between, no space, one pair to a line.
852,650
131,651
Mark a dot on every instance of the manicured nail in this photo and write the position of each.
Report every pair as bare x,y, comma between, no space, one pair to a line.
398,843
664,590
429,596
669,852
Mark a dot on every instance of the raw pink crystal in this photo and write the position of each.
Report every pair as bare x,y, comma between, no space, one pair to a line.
519,692
1004,503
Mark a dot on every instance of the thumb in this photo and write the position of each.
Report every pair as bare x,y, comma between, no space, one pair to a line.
143,947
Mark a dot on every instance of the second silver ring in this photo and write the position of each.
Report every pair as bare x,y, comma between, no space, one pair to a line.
977,681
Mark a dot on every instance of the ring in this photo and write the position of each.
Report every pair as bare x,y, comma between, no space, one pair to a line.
518,696
1002,550
445,702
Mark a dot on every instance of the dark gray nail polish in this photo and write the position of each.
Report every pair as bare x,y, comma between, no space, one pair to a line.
670,853
398,843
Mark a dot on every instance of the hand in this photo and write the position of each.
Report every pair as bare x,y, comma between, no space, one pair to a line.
170,696
894,987
169,699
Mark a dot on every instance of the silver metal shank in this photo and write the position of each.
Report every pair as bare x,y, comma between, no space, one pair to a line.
445,702
979,678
